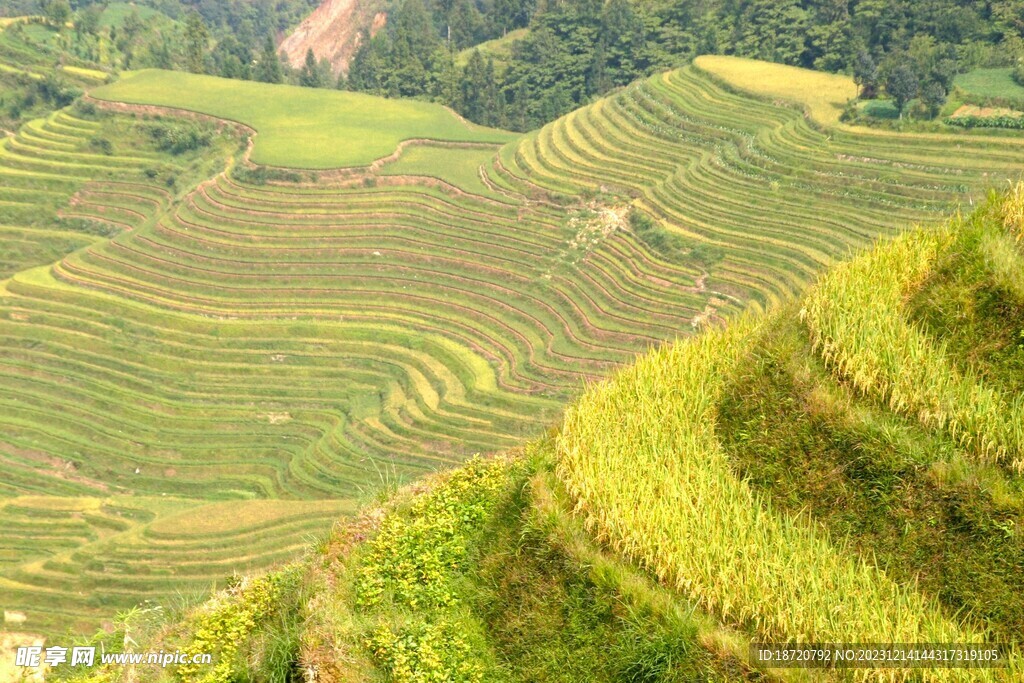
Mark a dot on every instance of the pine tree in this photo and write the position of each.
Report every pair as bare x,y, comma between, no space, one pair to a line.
197,38
933,95
311,76
269,68
473,87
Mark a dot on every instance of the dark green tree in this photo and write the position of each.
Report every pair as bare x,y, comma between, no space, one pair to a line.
829,35
865,75
413,45
773,30
87,20
268,68
57,12
902,85
232,58
133,26
311,76
473,87
933,96
197,39
367,68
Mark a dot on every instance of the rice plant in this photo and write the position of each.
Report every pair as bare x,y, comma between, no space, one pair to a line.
855,318
639,455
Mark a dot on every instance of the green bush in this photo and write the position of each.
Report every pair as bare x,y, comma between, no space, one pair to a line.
178,138
101,145
86,110
409,581
261,175
670,245
226,626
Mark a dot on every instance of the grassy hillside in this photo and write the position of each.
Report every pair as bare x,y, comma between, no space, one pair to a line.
36,75
500,49
301,127
845,408
812,474
219,332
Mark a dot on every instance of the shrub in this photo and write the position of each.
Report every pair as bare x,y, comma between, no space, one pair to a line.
55,91
669,244
85,110
261,175
226,625
101,145
412,568
178,138
1008,122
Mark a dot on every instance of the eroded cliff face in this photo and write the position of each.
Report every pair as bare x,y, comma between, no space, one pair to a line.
334,31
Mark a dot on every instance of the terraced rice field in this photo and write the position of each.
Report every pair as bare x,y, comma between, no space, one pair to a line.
226,338
296,341
57,194
68,560
779,195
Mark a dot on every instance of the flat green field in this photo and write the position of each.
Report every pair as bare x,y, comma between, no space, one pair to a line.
301,127
991,83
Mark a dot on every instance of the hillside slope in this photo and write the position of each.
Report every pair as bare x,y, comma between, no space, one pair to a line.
334,32
814,474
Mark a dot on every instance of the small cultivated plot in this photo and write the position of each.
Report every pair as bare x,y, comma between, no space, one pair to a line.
7,21
824,95
459,167
301,127
991,84
985,112
70,562
94,75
